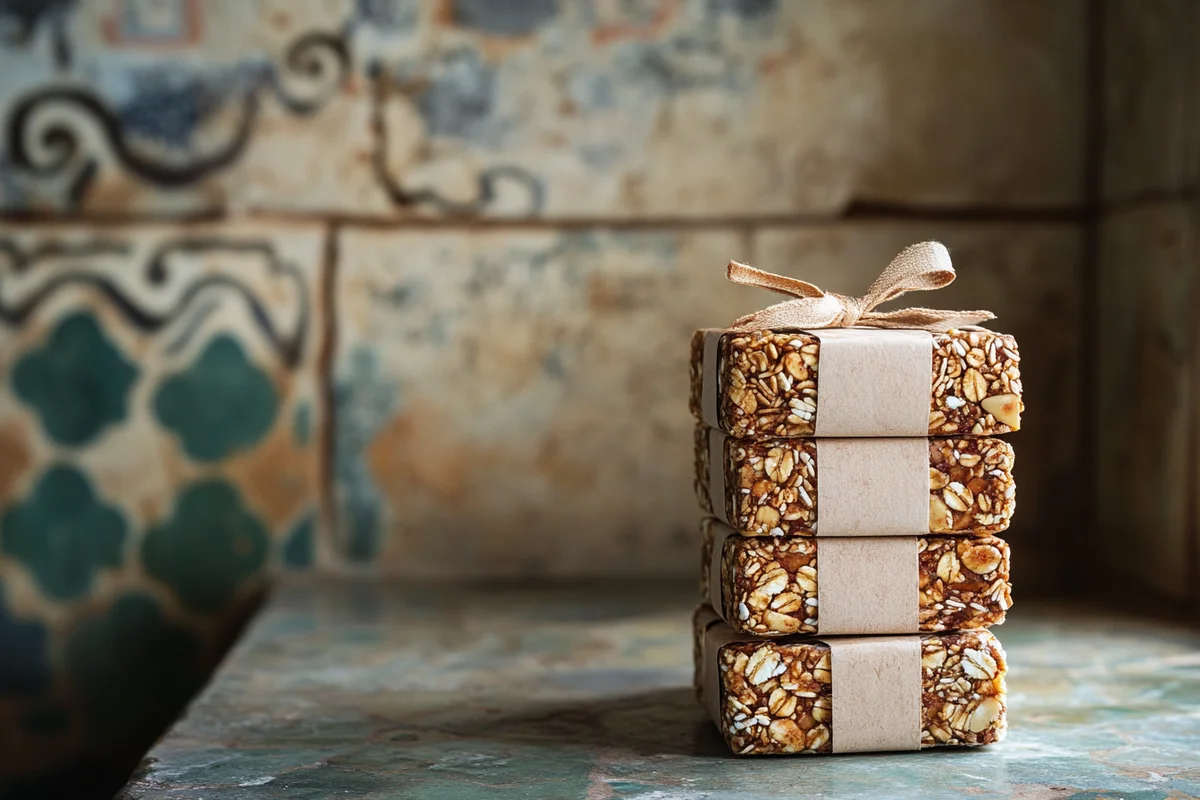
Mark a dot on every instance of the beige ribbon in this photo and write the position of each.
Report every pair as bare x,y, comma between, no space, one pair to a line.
919,268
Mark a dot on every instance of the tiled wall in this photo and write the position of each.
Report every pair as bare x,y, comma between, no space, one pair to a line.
571,109
1147,418
409,284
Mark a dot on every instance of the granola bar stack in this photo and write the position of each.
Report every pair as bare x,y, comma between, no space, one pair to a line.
847,572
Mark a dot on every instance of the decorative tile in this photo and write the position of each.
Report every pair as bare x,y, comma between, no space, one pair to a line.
597,108
159,441
1146,443
166,107
1151,97
25,669
588,108
63,534
514,402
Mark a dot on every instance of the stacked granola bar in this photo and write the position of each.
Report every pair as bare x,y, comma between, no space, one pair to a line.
792,574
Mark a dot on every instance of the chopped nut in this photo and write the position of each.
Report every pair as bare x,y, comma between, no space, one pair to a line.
981,559
767,516
793,362
773,581
947,568
1006,408
779,464
937,479
958,497
984,714
940,518
978,664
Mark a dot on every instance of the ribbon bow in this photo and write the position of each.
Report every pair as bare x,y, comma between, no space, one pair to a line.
919,268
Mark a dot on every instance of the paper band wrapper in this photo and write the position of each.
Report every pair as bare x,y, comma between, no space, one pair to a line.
865,585
865,487
876,686
870,382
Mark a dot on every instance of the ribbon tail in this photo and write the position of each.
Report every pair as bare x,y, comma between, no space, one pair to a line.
761,279
806,312
930,319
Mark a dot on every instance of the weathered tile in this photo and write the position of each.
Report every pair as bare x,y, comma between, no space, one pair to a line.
1028,275
166,107
515,402
159,425
614,109
574,109
1151,97
1146,443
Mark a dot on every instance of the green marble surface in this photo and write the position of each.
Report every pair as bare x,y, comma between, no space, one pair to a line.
379,691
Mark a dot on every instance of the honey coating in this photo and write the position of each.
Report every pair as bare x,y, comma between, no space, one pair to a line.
776,695
768,383
772,486
769,587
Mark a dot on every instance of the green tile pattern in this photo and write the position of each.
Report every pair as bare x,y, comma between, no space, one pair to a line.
77,383
63,534
158,463
219,405
208,548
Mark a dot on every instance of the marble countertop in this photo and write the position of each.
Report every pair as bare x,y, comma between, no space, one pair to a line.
382,691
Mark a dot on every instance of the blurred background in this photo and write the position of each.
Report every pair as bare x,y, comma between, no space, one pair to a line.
404,288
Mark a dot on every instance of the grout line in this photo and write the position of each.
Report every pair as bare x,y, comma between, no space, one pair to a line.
1093,175
970,212
325,542
1192,126
1191,546
41,219
856,212
1156,197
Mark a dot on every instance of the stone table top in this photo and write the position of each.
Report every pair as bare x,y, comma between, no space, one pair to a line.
418,692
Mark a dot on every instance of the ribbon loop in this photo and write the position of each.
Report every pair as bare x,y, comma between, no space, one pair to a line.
749,276
918,268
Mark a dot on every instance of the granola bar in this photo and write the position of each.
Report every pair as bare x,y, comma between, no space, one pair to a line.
768,587
768,383
776,696
772,485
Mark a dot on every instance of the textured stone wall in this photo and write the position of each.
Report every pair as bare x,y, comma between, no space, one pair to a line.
408,285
